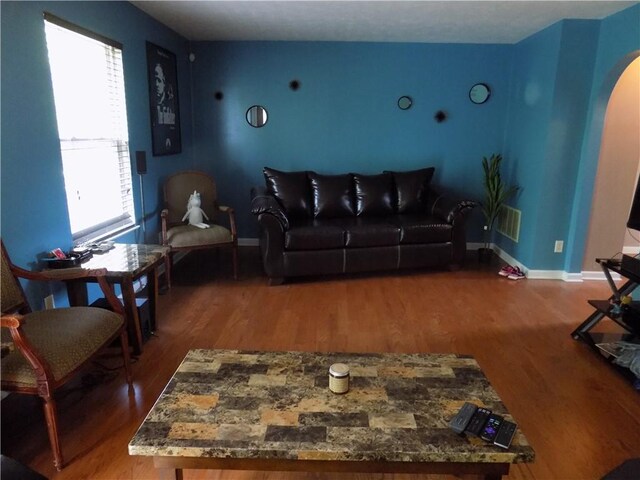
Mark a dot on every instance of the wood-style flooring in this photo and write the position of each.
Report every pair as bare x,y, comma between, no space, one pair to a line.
581,417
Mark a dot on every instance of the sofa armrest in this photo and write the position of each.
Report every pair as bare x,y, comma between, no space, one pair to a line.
453,211
263,202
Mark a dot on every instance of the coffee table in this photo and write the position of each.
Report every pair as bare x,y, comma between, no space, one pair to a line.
273,411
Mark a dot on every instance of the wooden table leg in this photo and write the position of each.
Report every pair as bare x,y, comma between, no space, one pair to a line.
170,474
77,293
131,312
152,289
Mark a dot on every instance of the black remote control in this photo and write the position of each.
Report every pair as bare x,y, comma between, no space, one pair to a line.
462,418
477,421
491,427
505,434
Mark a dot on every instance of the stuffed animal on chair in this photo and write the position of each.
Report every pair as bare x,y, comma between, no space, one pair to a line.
194,212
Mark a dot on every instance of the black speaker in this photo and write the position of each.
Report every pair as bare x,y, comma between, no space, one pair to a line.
141,162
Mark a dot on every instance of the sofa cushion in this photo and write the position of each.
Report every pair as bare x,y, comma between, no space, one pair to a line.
411,188
332,195
422,228
291,189
374,194
316,234
369,232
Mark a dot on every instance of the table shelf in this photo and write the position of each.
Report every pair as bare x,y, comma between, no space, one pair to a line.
628,319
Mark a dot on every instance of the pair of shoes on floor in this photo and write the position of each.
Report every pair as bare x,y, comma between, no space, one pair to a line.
512,273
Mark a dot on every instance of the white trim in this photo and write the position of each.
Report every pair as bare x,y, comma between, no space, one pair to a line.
545,274
633,250
510,260
112,235
573,277
599,275
535,274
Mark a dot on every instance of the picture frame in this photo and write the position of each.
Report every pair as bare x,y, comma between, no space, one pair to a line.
163,101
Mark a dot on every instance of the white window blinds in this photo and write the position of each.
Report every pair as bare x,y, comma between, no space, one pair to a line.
88,87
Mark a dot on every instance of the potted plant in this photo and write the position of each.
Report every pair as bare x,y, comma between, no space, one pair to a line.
496,194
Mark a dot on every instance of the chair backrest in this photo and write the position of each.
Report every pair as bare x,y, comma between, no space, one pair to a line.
179,186
11,293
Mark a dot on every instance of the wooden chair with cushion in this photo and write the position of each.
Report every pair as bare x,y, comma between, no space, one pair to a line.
178,234
43,350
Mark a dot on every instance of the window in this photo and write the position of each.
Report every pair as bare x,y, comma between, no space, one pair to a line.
88,87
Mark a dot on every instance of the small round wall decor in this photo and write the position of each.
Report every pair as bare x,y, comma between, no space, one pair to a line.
405,102
479,93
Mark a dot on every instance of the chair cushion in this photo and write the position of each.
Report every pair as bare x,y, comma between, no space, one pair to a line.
374,194
65,337
332,195
291,189
422,228
370,232
190,236
411,189
316,234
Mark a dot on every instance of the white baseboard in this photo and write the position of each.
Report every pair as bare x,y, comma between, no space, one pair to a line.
543,274
599,275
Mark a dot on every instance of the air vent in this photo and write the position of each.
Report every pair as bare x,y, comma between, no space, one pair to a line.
509,223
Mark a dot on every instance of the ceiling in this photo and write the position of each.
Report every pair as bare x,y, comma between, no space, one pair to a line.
370,21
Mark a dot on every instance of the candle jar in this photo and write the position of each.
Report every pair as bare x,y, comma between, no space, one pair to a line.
339,378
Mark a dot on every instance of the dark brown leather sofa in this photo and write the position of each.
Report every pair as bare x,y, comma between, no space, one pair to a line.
312,224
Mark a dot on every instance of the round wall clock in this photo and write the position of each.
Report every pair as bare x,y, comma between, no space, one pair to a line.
479,93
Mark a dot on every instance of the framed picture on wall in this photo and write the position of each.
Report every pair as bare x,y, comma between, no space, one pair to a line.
163,100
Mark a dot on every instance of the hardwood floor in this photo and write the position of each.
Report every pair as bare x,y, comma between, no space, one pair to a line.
581,417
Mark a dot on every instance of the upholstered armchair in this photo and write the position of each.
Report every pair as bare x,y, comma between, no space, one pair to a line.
43,350
181,236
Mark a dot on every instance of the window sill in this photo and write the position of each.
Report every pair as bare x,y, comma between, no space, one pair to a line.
112,235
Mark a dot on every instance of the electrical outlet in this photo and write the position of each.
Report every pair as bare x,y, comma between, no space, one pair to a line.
49,304
558,246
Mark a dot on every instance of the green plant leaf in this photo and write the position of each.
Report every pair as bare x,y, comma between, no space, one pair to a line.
496,192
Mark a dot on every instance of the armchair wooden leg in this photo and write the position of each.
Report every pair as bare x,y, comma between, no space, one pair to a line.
235,261
51,417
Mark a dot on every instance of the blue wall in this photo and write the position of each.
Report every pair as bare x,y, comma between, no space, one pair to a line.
530,109
618,46
550,89
545,115
345,116
34,211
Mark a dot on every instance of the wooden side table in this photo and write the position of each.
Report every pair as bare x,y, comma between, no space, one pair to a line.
126,263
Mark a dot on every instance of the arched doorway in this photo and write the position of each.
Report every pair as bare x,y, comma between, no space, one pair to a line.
618,168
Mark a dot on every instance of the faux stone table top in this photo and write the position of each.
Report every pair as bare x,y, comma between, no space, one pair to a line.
277,405
127,258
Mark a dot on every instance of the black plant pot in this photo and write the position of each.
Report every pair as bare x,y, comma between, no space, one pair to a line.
485,255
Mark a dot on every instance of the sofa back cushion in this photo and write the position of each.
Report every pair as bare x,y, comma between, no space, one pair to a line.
374,194
291,189
411,189
332,195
